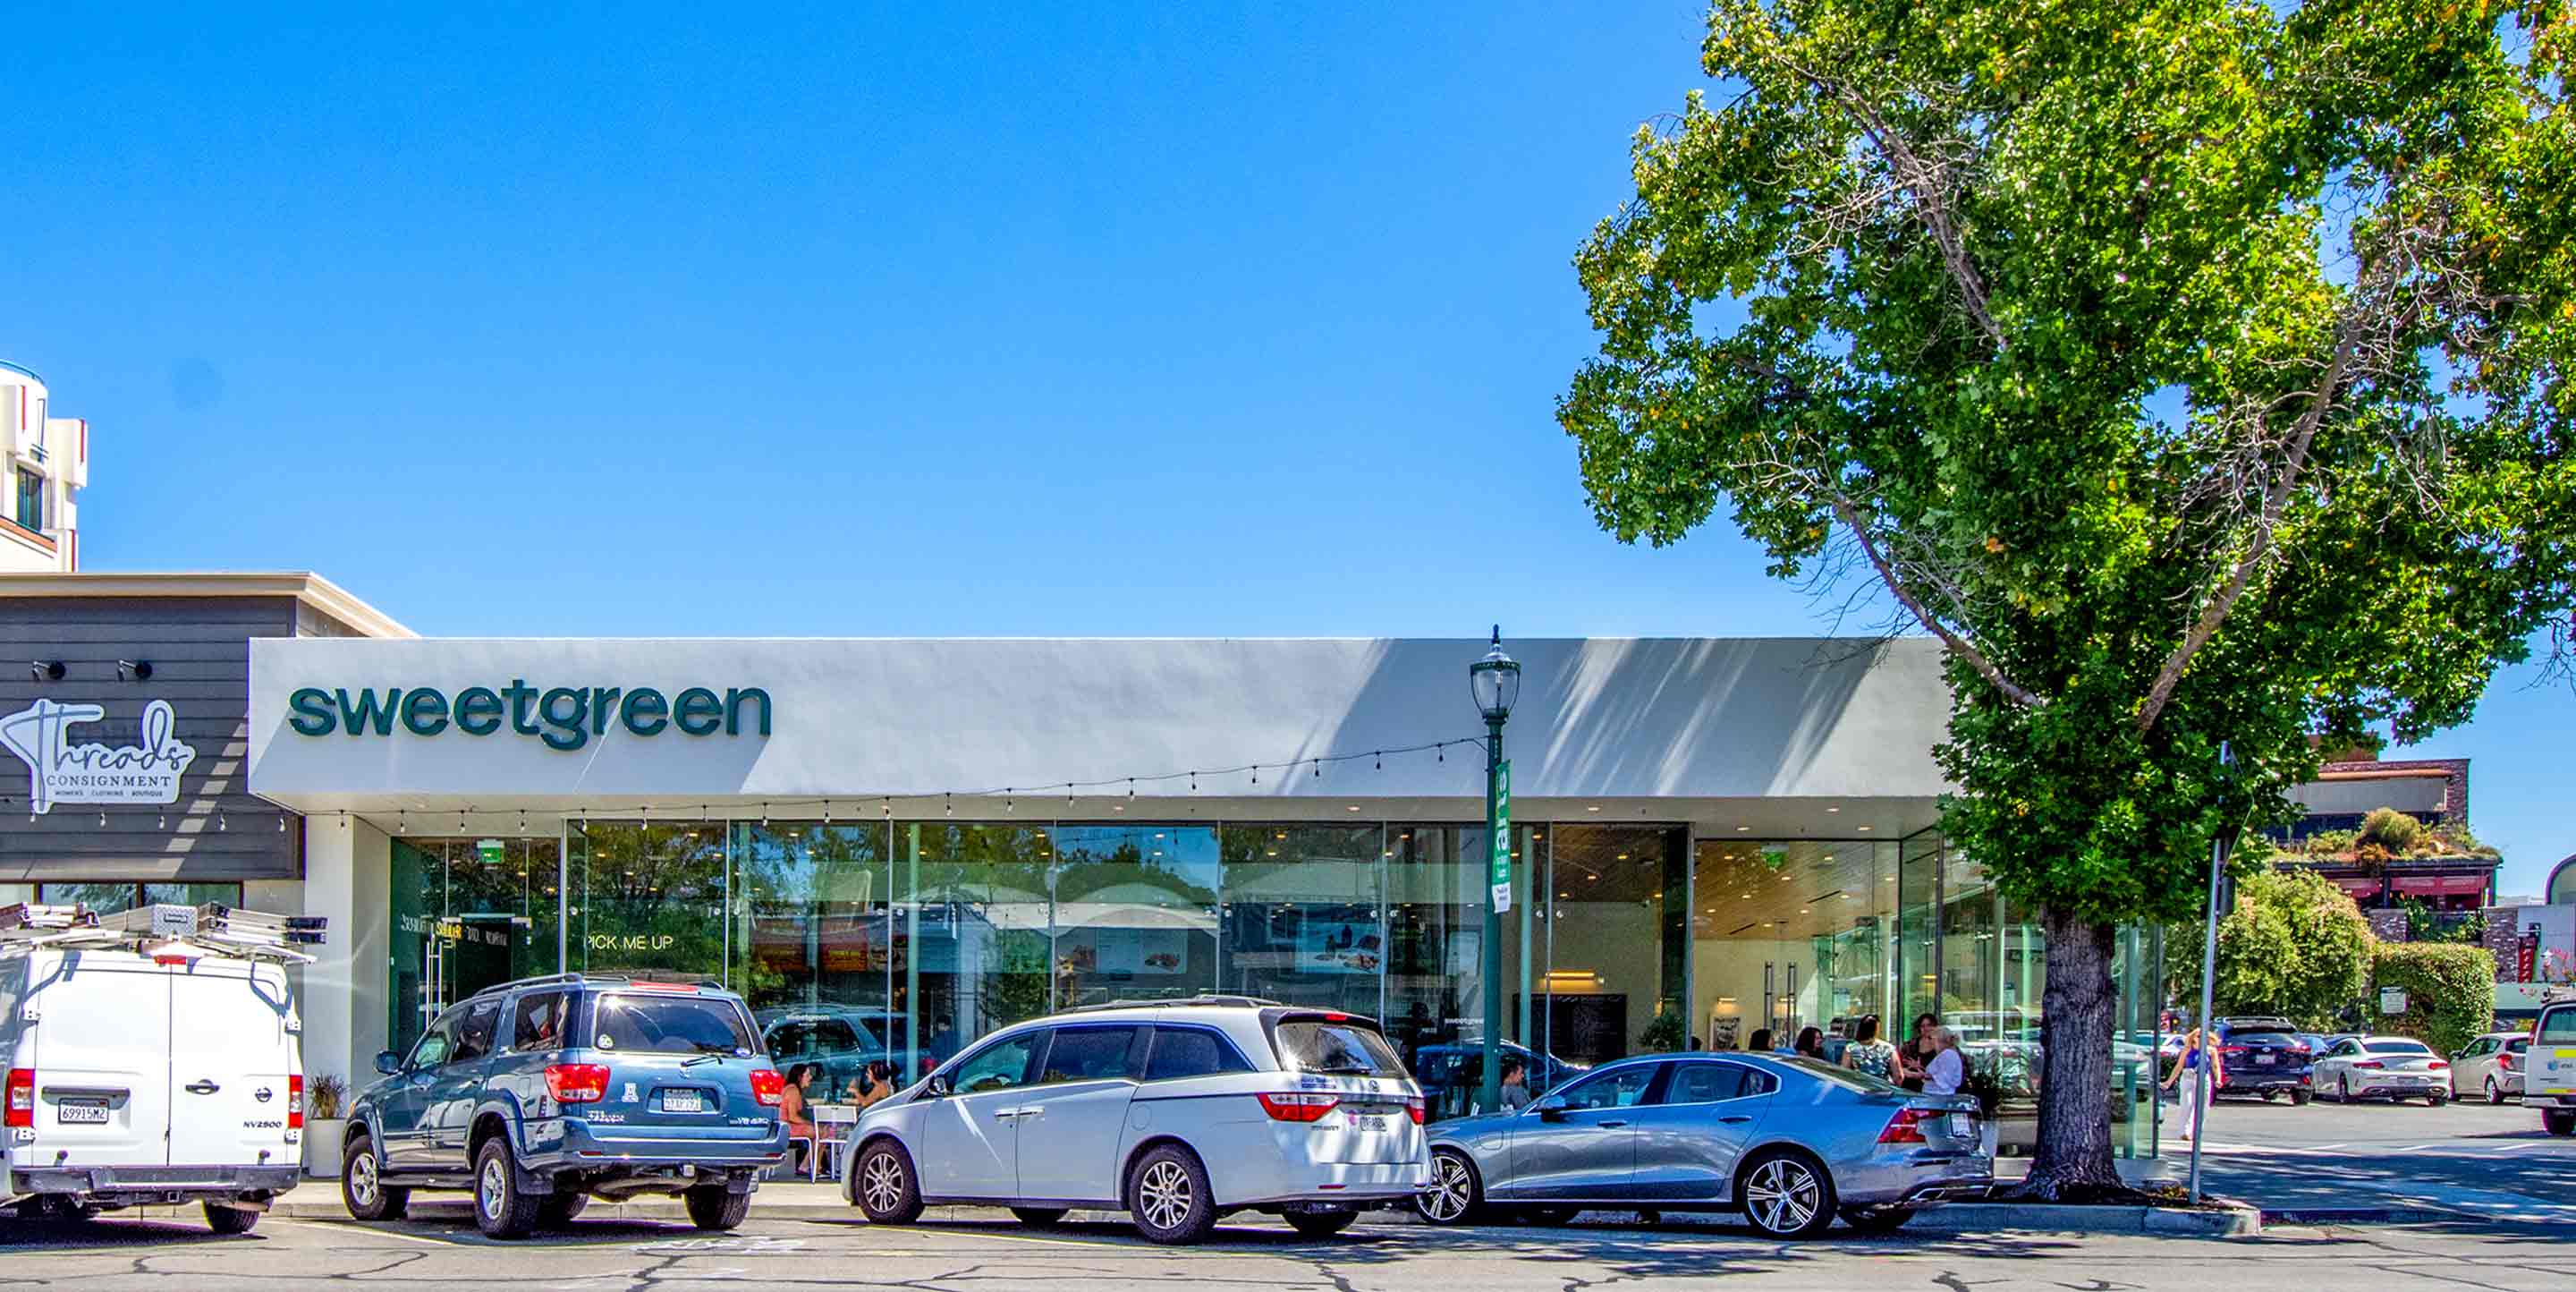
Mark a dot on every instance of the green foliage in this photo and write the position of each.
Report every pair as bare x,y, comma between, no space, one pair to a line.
1665,1034
2328,843
2424,924
2394,830
2450,991
326,1097
2294,945
2194,372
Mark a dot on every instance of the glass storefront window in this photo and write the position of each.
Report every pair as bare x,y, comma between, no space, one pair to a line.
972,932
111,898
1617,954
813,946
1302,920
467,913
1135,913
648,898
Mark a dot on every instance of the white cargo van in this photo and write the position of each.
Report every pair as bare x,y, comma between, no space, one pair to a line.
153,1056
2549,1067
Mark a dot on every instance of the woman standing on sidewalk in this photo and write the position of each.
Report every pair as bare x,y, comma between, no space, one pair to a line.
2201,1063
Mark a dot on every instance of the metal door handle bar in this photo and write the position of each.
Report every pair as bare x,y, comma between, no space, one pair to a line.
201,1086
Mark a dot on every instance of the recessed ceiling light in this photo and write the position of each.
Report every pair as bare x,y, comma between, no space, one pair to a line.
1565,894
1594,808
1802,910
1623,856
1864,827
1742,828
1355,807
1833,809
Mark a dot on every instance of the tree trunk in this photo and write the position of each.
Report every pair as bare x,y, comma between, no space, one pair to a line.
2078,1006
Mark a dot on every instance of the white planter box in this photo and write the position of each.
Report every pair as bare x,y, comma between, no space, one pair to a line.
322,1146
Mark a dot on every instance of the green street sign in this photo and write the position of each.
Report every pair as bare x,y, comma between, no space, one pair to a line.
1501,835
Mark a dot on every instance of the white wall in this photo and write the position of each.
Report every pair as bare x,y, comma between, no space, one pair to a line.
1645,719
348,870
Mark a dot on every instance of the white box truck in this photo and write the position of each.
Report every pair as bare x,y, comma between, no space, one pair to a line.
152,1057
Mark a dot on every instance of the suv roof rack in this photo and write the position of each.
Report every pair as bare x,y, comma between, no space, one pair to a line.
1235,1002
256,935
606,979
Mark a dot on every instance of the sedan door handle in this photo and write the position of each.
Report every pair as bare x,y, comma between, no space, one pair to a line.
1608,1125
1735,1119
201,1086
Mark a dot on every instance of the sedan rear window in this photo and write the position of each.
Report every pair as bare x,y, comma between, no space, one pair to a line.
2395,1047
1321,1046
670,1025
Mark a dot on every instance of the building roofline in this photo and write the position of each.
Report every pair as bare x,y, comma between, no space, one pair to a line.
309,588
25,371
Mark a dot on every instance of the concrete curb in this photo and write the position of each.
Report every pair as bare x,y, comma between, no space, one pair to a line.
2226,1221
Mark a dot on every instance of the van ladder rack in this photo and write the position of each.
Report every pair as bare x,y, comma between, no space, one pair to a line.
230,930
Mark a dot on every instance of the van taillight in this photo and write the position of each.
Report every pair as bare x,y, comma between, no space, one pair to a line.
768,1086
1298,1108
1413,1107
1906,1127
577,1083
295,1102
22,1097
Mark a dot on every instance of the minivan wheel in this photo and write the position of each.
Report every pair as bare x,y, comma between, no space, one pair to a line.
1038,1217
362,1187
1787,1195
885,1186
713,1206
501,1208
1321,1224
1168,1194
1455,1197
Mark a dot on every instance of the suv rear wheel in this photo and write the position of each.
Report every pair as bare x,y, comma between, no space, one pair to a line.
1169,1196
501,1208
558,1209
885,1186
713,1206
362,1187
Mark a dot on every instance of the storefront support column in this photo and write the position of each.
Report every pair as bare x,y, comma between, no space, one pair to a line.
348,876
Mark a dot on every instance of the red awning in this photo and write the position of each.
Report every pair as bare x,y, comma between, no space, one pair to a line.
2442,885
2359,887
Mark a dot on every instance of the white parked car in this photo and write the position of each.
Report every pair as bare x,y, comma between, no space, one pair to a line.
2549,1069
1177,1112
2490,1066
153,1057
2399,1067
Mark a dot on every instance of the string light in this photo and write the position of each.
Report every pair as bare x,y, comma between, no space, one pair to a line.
281,823
221,823
949,808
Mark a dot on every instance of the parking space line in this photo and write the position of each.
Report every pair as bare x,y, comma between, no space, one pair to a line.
368,1229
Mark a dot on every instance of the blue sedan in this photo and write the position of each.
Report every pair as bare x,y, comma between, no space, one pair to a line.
1791,1143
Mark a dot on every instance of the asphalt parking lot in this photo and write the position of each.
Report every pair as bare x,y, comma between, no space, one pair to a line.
982,1254
2484,1160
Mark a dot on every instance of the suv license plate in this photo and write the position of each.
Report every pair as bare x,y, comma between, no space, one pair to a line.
683,1101
81,1114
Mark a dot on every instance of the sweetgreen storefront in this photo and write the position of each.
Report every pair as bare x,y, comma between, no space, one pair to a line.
893,847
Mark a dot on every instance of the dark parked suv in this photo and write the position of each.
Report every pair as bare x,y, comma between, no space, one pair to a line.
541,1094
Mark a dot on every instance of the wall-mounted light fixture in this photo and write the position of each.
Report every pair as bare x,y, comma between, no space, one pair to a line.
46,670
138,670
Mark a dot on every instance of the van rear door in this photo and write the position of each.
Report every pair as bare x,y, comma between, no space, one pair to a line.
102,1081
230,1059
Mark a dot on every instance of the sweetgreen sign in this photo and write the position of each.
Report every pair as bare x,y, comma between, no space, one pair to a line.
565,717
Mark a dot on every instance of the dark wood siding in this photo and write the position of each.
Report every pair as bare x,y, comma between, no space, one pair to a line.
199,649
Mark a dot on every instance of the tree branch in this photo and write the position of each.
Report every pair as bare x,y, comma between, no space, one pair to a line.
2276,501
1959,646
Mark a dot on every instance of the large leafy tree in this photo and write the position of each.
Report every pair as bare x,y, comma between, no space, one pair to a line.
2195,372
2293,945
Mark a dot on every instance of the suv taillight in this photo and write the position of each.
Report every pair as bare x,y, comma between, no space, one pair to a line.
577,1083
295,1102
768,1086
1300,1107
1906,1127
22,1097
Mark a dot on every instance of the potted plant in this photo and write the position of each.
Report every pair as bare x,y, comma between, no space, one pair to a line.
326,1118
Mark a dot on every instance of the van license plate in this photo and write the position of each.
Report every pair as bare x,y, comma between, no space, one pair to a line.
1372,1124
683,1101
1962,1125
81,1114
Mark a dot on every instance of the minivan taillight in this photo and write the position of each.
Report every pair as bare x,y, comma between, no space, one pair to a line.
577,1083
295,1102
1906,1127
22,1097
768,1086
1413,1108
1299,1107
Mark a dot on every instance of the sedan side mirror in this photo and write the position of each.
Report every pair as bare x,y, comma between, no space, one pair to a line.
388,1063
1550,1109
937,1087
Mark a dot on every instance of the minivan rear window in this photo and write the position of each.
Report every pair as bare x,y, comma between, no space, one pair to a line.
669,1025
1321,1045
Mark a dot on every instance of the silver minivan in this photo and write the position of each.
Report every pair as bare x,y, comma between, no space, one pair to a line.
1177,1112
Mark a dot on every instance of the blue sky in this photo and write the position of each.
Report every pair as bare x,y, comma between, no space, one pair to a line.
1098,319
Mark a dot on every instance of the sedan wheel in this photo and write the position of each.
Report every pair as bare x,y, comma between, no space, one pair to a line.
1788,1196
2495,1093
1452,1196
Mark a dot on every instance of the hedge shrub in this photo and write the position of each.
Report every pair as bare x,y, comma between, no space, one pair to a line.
2450,991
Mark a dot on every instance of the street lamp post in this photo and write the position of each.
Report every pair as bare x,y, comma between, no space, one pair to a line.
1495,681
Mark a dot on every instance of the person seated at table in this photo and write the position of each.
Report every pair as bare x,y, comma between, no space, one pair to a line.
793,1111
874,1083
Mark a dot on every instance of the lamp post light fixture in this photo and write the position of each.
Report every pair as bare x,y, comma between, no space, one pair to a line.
1495,681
